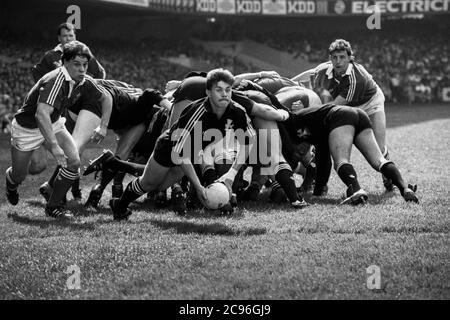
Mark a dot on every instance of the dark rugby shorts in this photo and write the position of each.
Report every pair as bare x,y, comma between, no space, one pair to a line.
344,115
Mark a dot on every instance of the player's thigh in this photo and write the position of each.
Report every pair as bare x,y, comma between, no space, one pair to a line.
38,161
366,143
128,139
154,175
19,163
340,142
85,125
67,143
269,140
378,120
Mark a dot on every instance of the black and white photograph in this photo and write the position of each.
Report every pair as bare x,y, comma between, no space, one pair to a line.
225,155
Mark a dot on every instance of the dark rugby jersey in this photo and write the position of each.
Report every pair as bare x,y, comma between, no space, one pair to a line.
355,85
52,60
58,90
273,85
198,118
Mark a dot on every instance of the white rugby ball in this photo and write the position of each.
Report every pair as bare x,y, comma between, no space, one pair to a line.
217,195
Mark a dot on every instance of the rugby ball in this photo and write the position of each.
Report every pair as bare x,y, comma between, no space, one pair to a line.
217,195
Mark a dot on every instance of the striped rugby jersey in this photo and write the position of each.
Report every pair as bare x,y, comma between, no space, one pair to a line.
355,85
58,90
199,118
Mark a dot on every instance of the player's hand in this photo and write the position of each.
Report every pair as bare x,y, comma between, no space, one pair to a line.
227,181
201,193
59,155
99,134
284,115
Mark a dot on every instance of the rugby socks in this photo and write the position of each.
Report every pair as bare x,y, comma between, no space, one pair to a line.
51,181
131,193
11,184
61,185
107,176
390,171
118,178
348,175
284,176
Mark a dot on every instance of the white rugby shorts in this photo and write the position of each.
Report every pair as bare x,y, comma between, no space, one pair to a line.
25,139
375,104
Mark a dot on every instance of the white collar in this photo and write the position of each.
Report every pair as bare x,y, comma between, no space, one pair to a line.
329,71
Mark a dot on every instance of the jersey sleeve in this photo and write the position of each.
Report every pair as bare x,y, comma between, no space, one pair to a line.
51,91
243,100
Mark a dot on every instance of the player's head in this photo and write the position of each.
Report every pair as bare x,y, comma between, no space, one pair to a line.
66,33
218,87
75,57
341,54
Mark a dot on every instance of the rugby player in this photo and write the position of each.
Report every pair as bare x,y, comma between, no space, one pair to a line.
333,129
39,122
131,111
176,150
350,84
50,61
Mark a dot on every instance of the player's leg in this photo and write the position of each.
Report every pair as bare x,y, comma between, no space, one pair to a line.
281,170
67,175
153,177
24,142
340,142
365,141
38,161
127,140
16,173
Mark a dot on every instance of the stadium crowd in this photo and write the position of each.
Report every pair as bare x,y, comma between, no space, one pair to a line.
405,71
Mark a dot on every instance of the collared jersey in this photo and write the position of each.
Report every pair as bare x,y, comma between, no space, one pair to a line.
52,60
58,90
355,85
198,118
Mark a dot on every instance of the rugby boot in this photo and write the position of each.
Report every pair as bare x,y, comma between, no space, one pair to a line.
11,191
179,201
409,194
118,214
97,164
56,212
94,196
252,192
355,197
161,199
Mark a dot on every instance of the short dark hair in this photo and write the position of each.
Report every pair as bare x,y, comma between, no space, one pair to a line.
216,75
341,45
67,26
75,48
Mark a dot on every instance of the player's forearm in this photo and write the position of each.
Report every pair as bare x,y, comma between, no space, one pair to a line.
189,171
269,113
106,103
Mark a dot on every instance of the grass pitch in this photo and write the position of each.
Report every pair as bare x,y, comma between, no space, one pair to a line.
263,251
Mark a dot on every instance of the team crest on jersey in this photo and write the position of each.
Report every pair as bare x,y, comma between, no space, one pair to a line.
229,125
